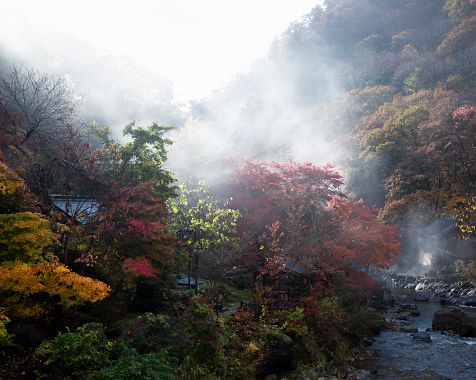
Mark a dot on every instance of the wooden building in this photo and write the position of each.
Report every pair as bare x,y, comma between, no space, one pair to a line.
440,241
292,283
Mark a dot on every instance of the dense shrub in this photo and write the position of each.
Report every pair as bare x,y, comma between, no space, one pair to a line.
5,337
132,366
147,332
72,355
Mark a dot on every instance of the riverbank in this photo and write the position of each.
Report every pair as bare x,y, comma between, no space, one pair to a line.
445,287
408,349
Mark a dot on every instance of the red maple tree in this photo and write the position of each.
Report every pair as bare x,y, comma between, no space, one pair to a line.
132,223
299,211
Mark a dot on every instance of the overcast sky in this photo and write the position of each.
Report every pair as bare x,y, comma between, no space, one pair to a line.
196,44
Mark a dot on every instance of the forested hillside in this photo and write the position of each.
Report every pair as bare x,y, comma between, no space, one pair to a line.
119,261
384,89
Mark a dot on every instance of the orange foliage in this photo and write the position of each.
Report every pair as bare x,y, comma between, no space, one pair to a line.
31,279
20,281
14,195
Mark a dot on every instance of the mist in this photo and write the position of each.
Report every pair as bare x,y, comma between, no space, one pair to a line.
109,89
271,109
278,110
237,189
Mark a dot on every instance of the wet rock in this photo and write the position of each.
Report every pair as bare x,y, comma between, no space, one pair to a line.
471,293
415,313
421,296
408,329
468,301
406,310
367,341
278,355
445,300
420,286
426,374
454,320
408,306
423,337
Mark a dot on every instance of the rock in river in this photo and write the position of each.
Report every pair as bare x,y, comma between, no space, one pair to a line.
422,337
468,301
454,320
421,296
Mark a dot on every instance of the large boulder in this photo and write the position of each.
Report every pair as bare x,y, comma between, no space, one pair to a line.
454,320
277,356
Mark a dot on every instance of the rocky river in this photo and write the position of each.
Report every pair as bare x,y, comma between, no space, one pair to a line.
411,350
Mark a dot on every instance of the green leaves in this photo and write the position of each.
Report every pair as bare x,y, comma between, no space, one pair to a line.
466,270
398,132
213,224
131,365
457,8
412,83
74,354
196,209
142,159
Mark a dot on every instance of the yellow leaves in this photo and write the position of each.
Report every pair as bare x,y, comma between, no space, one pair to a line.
24,236
251,349
60,228
20,278
49,277
10,183
5,337
26,276
465,210
466,270
73,288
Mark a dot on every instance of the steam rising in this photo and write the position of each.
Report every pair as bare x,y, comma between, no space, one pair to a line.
271,110
280,107
275,111
425,258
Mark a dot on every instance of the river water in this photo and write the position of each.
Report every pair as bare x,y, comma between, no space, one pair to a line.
446,357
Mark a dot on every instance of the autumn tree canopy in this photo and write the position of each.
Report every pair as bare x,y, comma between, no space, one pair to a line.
299,211
29,270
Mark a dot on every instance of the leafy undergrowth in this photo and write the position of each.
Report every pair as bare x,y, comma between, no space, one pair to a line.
194,342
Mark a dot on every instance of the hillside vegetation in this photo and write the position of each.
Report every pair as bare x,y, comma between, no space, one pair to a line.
101,243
